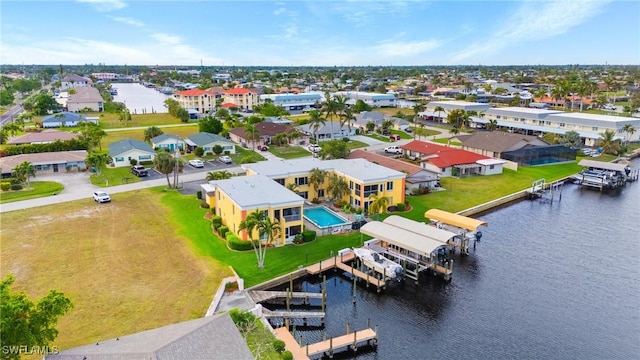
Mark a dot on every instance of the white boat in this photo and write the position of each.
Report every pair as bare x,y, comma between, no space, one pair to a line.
378,263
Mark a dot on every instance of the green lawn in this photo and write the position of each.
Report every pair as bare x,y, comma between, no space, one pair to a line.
288,152
379,137
355,144
445,141
394,111
112,120
36,189
188,218
403,135
114,176
242,153
113,136
424,132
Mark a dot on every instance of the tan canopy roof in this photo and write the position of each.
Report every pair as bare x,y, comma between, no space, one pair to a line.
454,219
420,228
602,165
402,238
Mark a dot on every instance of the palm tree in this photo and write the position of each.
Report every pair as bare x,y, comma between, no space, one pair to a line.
98,160
293,187
608,144
316,178
492,125
346,118
417,108
271,229
387,124
151,132
330,109
315,121
439,109
252,134
165,163
629,130
292,136
250,224
541,93
379,204
23,171
337,187
218,175
458,118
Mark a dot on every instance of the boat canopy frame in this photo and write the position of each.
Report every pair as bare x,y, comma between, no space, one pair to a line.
402,238
421,228
456,220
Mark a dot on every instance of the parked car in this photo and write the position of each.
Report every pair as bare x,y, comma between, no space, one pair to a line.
393,149
394,137
101,197
314,148
609,107
225,159
197,163
139,170
263,147
386,132
408,129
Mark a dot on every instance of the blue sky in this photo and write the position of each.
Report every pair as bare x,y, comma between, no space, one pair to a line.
321,33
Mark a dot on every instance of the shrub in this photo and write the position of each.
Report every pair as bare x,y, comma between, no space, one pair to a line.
308,235
345,139
359,211
287,355
5,186
146,162
298,239
401,207
227,152
204,205
223,230
199,195
133,162
315,201
241,318
406,202
236,244
16,187
198,151
278,345
216,220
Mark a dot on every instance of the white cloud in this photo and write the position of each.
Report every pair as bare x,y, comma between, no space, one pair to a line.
533,21
126,20
408,48
105,5
167,38
279,11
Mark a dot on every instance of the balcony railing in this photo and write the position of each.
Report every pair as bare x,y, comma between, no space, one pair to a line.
294,217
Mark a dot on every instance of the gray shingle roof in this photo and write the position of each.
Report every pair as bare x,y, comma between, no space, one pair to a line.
163,137
213,337
203,138
62,117
125,145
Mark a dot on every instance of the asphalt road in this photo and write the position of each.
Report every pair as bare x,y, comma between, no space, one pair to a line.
11,113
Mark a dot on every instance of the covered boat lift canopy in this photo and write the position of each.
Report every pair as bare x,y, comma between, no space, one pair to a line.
401,238
602,165
420,228
454,219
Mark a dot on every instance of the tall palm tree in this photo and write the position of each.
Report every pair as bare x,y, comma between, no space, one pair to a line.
315,121
387,124
439,109
330,109
250,224
23,171
608,144
252,134
317,177
151,132
271,229
417,108
629,130
292,136
541,93
346,117
379,204
165,163
337,187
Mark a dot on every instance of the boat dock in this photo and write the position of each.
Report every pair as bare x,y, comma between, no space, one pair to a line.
603,175
259,296
328,346
342,262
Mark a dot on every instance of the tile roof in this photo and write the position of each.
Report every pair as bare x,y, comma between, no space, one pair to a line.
385,161
239,91
443,156
127,144
229,105
42,137
265,128
7,163
195,92
85,94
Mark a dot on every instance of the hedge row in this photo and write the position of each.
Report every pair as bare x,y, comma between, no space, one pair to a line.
308,235
236,244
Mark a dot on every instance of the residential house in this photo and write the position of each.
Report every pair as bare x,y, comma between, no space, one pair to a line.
202,101
372,99
125,150
208,141
363,177
327,131
494,143
448,161
42,137
417,177
74,81
430,112
211,337
47,162
243,98
85,98
234,199
169,142
266,131
66,119
292,102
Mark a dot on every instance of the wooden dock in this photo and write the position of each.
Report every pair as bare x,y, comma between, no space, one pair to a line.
329,346
285,314
259,296
340,262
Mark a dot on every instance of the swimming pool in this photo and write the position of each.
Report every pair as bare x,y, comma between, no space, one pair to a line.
324,218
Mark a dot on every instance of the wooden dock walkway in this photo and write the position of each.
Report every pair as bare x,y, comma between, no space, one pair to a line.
329,346
340,263
269,314
259,296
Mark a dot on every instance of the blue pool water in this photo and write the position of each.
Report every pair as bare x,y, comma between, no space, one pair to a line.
323,217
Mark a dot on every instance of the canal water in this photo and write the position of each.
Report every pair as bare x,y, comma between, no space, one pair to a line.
140,99
548,281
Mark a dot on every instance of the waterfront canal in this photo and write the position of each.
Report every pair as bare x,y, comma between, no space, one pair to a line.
548,281
140,99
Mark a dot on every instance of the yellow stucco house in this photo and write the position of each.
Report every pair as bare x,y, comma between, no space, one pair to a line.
233,199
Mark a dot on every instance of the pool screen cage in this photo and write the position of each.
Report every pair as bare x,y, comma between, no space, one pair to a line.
540,155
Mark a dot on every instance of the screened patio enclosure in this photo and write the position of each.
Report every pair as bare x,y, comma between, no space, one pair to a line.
540,155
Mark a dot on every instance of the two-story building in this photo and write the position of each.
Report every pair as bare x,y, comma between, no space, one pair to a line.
74,81
234,199
243,98
364,179
372,99
85,98
292,102
202,101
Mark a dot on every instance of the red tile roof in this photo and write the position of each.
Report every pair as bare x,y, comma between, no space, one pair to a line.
443,156
239,91
385,161
265,128
229,105
195,92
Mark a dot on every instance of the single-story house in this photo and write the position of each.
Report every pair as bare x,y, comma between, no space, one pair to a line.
448,161
494,143
42,137
210,337
266,130
85,97
208,141
66,119
327,131
377,118
168,141
417,177
125,150
46,162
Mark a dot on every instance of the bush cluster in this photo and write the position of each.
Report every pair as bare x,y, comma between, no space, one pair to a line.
401,206
236,244
308,235
5,186
223,230
16,186
69,145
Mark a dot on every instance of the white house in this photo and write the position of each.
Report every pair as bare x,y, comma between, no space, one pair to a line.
168,141
208,141
327,131
66,119
125,150
292,101
74,81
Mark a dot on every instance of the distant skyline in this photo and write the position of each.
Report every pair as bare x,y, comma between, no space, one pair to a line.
319,33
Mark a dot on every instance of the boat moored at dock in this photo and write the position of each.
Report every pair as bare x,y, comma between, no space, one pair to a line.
379,263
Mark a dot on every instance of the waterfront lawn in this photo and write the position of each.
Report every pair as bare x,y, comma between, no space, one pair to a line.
111,122
288,152
36,189
121,263
114,176
188,219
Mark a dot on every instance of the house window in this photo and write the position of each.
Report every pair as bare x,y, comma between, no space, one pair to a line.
144,157
302,181
444,169
491,167
595,128
389,185
280,181
119,159
351,185
320,193
357,191
303,194
561,125
495,154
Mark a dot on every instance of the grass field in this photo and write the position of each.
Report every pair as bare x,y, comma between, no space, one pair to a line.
394,111
112,120
445,141
113,177
288,152
403,135
113,136
36,189
354,144
123,264
379,137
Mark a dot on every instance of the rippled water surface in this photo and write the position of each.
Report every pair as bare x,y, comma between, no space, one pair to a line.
140,99
548,281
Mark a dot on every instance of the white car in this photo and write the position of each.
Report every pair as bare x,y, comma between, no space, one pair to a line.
197,163
314,148
225,159
101,197
609,107
393,150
